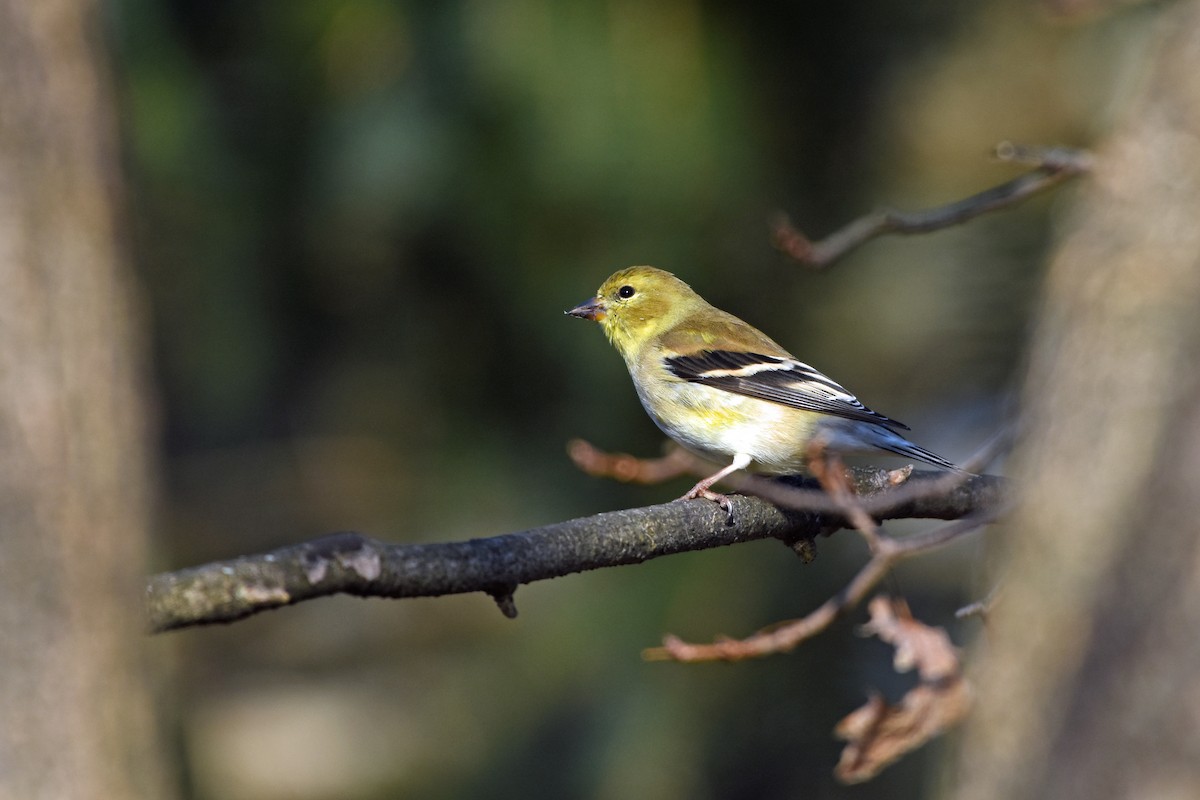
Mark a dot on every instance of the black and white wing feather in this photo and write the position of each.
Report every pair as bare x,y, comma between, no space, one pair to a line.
779,380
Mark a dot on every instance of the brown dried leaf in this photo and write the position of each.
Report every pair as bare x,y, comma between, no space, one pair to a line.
878,733
917,645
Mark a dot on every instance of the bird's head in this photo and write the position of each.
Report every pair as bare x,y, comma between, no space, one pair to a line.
636,304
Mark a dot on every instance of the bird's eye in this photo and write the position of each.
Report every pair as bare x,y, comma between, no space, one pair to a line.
626,292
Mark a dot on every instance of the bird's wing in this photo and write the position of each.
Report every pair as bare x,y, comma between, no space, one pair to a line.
774,378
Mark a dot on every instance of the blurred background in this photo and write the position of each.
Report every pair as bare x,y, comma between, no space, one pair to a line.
357,225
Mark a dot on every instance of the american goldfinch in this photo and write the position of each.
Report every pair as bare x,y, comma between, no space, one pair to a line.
724,390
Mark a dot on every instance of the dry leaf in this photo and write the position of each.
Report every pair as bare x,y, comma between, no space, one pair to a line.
878,733
917,645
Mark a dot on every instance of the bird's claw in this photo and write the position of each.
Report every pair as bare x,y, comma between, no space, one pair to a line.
705,493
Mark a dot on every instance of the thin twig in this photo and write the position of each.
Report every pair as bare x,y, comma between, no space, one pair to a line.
779,638
830,472
980,608
786,636
1052,166
630,469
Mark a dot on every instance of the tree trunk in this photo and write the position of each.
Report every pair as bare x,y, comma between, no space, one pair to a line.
1090,684
76,717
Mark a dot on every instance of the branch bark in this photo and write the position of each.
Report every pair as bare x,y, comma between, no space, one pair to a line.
350,563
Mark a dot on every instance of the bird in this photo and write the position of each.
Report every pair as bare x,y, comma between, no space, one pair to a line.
726,391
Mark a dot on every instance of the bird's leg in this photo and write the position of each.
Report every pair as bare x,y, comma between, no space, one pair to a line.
701,489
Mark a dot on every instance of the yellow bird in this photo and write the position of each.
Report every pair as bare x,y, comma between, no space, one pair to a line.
725,390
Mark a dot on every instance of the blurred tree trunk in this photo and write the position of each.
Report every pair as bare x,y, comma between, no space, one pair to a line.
76,718
1090,684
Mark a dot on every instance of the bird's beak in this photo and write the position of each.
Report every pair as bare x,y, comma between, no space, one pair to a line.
592,309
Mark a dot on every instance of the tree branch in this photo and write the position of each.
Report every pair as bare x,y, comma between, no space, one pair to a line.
1053,165
350,563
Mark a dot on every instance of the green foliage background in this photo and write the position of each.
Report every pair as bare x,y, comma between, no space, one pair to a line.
357,225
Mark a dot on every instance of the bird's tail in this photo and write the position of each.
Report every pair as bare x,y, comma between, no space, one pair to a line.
902,447
864,437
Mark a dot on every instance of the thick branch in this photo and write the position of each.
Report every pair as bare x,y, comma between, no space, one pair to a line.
350,563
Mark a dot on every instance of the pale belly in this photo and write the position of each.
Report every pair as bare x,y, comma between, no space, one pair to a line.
719,424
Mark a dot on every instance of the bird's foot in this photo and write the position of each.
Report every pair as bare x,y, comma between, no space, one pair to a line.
701,490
